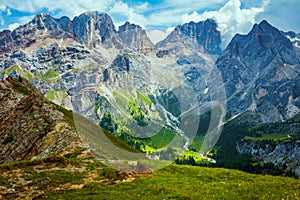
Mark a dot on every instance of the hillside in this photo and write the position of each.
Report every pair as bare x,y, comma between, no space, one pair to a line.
82,177
32,127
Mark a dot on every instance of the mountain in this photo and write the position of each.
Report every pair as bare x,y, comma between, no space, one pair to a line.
260,71
154,97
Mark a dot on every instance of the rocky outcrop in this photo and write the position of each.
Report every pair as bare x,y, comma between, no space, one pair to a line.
31,126
293,37
121,64
285,154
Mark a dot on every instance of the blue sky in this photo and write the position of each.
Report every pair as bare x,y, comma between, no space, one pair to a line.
160,17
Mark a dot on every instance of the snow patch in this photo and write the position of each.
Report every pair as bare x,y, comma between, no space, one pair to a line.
295,41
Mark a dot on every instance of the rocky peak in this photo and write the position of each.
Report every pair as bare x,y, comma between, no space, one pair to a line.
135,37
42,20
90,29
93,28
128,26
203,34
263,37
259,68
43,25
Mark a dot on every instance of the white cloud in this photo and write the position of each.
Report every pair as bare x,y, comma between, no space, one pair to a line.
131,14
231,19
2,9
142,7
158,35
68,8
13,26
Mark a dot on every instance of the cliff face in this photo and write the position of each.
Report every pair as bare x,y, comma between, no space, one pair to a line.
89,28
202,35
285,154
135,37
31,126
93,28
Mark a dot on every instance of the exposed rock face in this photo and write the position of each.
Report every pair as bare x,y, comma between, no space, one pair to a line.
93,28
121,64
90,28
135,37
260,71
284,154
30,125
41,27
203,34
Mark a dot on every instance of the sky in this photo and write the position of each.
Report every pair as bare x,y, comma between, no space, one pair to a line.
159,18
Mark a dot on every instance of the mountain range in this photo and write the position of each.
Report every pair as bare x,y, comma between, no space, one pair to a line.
172,96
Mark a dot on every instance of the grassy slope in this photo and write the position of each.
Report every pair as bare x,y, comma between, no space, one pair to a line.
58,178
26,74
184,182
86,127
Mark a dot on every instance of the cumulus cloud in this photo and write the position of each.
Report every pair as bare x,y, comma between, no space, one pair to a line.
231,18
158,35
130,14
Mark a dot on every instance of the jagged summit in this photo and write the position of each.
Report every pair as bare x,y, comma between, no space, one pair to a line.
93,27
128,26
203,34
263,40
259,68
135,37
90,28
